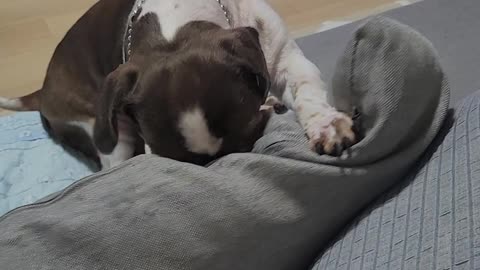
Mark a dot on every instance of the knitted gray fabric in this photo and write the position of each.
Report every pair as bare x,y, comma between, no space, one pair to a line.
274,208
432,221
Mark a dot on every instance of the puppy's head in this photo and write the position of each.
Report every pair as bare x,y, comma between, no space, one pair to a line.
193,99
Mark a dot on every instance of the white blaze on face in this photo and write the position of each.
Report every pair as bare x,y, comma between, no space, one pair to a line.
194,128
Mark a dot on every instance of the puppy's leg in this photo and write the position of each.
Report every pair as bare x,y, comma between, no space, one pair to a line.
124,150
328,130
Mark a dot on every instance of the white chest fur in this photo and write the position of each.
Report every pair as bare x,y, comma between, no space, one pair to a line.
173,14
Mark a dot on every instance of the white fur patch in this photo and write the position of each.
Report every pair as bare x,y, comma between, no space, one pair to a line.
194,128
124,149
11,104
148,150
173,14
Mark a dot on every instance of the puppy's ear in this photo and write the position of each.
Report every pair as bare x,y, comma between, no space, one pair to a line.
252,58
253,32
116,92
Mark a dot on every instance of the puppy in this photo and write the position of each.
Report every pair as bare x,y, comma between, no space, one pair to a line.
185,78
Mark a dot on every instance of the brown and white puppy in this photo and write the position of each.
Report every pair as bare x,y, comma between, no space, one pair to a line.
192,88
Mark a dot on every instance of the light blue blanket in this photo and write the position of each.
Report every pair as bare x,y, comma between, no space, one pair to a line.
32,166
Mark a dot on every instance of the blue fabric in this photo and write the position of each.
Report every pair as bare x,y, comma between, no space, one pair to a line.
32,166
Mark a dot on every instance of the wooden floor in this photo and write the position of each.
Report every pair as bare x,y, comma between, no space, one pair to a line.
30,30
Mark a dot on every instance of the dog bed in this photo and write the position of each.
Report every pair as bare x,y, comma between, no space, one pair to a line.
32,166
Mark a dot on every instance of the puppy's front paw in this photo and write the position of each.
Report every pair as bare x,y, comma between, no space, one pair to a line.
331,134
275,105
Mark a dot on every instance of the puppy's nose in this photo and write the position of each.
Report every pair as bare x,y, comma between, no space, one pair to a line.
202,160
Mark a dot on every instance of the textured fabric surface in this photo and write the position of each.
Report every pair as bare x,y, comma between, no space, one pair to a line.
31,165
451,25
390,61
274,208
432,221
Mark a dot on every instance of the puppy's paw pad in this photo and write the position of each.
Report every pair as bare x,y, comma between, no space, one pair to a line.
331,134
277,106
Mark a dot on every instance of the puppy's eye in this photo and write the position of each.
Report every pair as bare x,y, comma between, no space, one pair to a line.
262,85
261,82
250,77
257,82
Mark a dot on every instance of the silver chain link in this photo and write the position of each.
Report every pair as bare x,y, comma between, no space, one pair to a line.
127,40
225,11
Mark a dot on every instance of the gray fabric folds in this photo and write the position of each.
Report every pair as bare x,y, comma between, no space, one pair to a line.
431,221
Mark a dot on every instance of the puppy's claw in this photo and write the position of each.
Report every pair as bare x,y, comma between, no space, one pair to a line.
317,146
347,143
338,150
280,108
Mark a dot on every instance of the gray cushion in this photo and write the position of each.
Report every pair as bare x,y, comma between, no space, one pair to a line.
432,221
271,209
451,25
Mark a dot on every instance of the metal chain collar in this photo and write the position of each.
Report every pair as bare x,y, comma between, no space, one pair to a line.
127,39
225,11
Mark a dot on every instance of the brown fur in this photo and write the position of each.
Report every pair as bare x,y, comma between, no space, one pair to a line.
222,71
204,65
